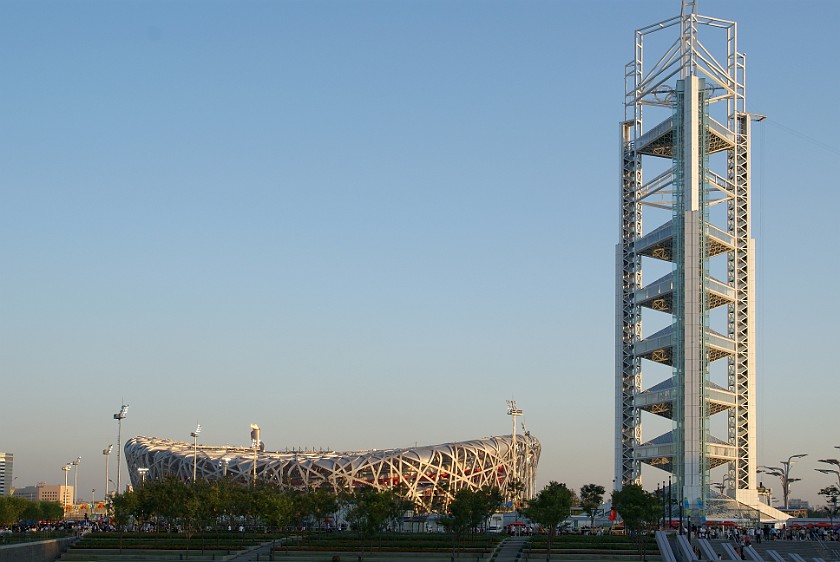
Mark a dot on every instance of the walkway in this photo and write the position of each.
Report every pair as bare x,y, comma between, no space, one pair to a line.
510,549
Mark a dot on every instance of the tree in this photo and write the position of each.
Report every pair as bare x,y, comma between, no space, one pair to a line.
831,493
11,509
551,506
51,511
276,506
125,506
591,496
322,503
637,509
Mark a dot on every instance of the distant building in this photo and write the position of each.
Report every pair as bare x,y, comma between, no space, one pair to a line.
46,492
796,503
6,477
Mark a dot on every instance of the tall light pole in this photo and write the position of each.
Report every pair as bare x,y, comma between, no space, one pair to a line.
66,469
76,464
194,435
107,453
255,443
514,483
119,416
783,474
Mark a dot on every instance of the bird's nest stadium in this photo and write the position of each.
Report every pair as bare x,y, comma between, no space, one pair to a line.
428,475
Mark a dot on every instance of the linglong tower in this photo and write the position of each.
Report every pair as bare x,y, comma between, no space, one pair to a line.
688,267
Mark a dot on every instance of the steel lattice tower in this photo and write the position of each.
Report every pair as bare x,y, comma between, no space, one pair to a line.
696,252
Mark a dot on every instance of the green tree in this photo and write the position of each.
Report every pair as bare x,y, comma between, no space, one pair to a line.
32,511
591,497
368,511
322,504
832,494
637,509
125,506
11,509
398,504
277,509
551,506
51,511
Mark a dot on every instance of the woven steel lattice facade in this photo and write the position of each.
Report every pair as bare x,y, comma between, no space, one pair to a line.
429,475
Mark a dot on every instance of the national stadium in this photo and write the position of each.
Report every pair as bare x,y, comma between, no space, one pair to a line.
427,475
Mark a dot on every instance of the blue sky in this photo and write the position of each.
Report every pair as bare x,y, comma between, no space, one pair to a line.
365,224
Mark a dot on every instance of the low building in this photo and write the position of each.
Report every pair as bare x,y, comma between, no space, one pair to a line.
46,492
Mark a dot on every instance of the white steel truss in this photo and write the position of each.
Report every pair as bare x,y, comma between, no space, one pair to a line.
429,476
692,89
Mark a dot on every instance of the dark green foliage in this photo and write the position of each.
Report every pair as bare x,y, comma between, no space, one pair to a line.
469,509
637,509
591,496
170,504
832,494
14,509
551,506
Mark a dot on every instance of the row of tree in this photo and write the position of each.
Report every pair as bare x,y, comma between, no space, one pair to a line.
170,502
13,510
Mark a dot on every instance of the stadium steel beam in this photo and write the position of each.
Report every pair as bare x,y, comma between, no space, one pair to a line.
696,253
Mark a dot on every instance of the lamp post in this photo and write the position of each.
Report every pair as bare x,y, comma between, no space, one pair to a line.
76,464
225,462
66,469
194,435
107,453
832,497
142,471
834,471
783,474
119,416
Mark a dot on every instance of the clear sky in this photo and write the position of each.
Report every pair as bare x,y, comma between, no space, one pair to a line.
365,224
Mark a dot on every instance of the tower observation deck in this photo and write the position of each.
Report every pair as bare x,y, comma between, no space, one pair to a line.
687,269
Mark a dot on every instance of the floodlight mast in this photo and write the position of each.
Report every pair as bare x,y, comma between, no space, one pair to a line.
119,416
194,435
75,464
107,453
255,443
513,412
66,469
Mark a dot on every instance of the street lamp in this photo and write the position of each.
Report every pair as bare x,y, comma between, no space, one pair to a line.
119,416
835,471
107,453
76,464
66,469
142,471
194,435
225,462
783,474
